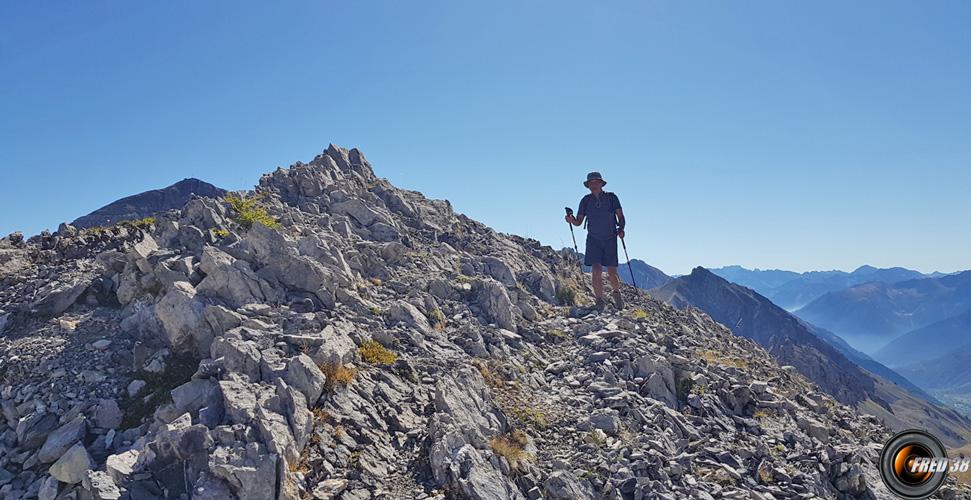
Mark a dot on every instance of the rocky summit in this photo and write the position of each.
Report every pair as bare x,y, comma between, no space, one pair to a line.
329,335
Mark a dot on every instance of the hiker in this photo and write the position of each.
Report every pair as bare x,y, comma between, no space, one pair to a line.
605,222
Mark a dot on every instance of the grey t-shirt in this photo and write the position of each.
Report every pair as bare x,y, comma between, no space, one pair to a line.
601,213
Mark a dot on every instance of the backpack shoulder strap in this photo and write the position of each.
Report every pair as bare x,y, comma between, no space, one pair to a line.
614,202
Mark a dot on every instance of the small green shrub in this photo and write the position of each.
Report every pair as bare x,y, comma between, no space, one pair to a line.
96,231
250,210
566,295
531,415
376,354
220,233
145,223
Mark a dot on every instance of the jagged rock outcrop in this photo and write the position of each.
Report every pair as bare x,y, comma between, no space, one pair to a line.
378,345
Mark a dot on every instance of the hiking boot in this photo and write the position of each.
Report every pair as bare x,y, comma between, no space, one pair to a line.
600,305
618,301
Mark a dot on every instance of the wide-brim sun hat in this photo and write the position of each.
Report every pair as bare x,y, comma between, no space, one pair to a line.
594,176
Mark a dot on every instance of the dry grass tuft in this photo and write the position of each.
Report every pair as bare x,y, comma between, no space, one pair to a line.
438,318
490,376
716,358
510,446
338,375
320,414
299,466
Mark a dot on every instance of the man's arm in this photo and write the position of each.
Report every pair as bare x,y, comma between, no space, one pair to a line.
621,221
581,213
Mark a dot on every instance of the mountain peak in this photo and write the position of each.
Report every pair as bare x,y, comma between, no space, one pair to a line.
148,203
700,272
865,269
191,181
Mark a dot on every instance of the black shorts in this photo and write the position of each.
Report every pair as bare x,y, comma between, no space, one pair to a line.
603,252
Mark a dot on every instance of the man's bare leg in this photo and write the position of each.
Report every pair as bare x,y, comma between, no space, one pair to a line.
615,285
614,278
598,283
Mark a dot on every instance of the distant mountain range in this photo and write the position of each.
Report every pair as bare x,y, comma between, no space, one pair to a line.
820,355
948,377
760,280
938,358
866,362
148,203
791,290
927,343
869,316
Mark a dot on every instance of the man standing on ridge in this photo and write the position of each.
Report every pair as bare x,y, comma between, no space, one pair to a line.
605,222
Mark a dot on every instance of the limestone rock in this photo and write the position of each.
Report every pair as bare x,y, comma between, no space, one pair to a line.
410,315
182,316
238,355
562,485
120,466
232,280
108,415
494,300
100,486
61,440
304,376
72,467
250,471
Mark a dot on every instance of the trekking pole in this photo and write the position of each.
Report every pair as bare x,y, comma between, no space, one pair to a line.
569,211
628,263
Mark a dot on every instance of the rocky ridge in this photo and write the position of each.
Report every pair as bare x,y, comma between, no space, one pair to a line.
378,345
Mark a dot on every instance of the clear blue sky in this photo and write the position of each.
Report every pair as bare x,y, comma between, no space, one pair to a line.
799,135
